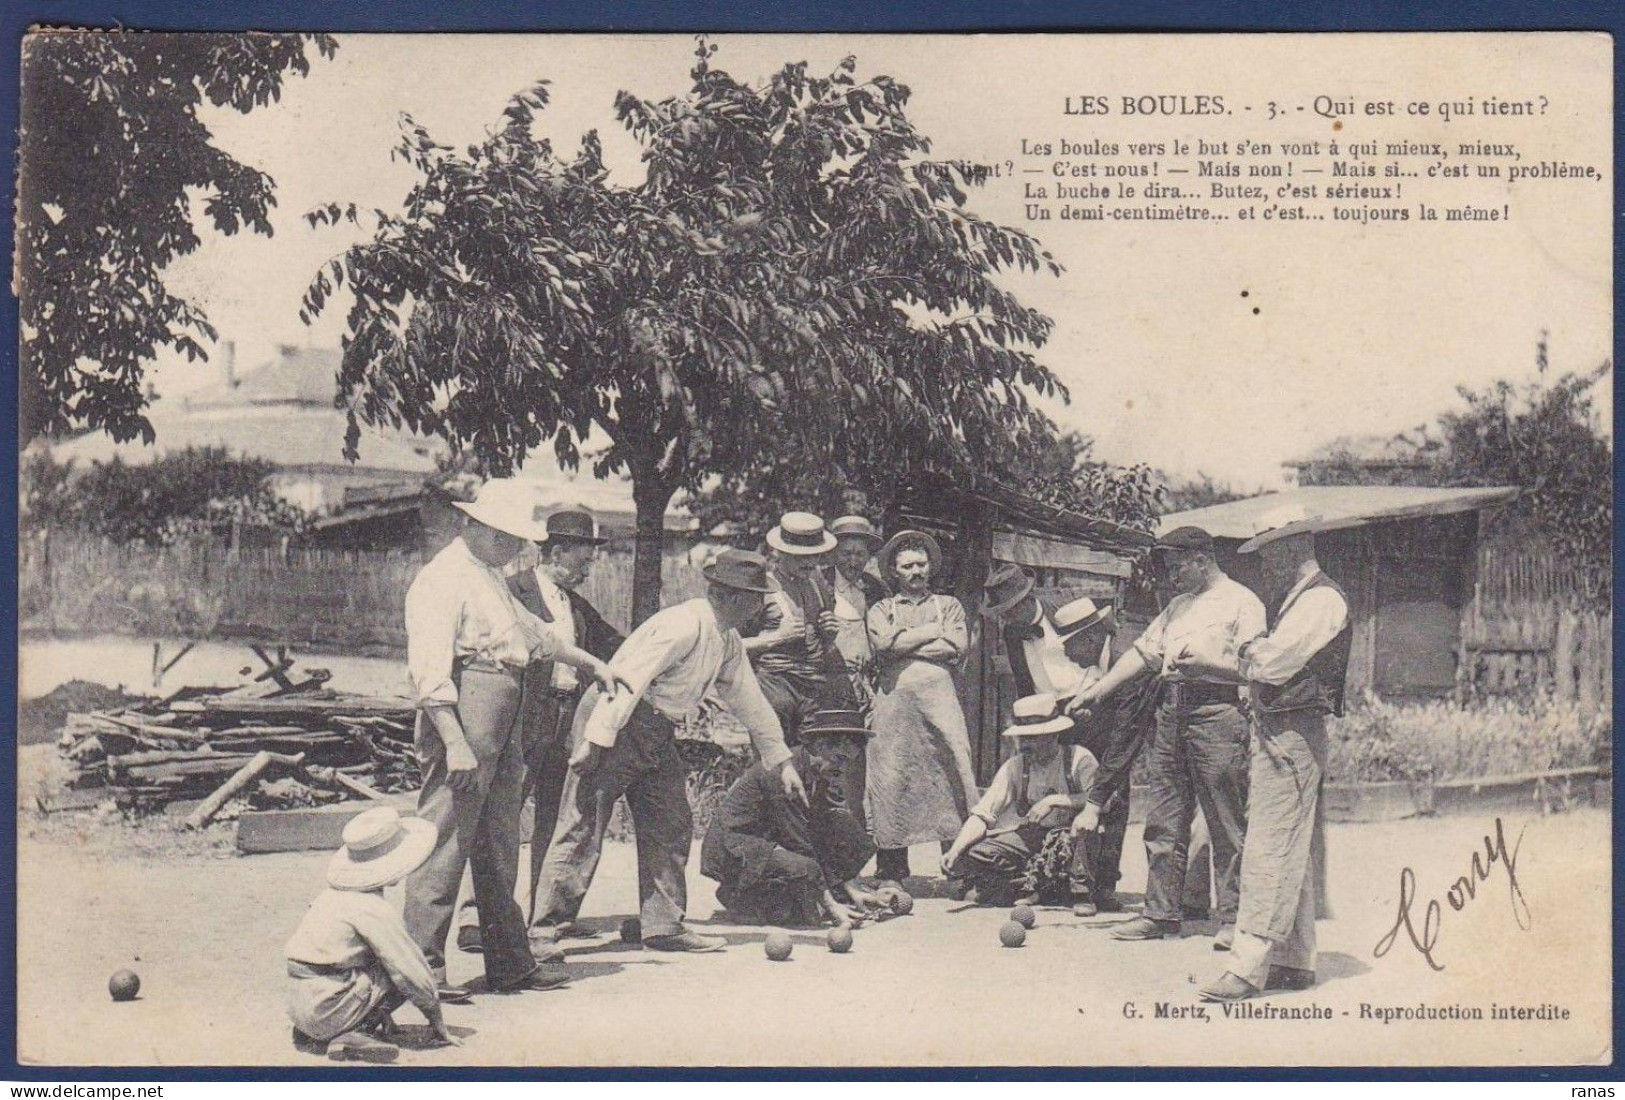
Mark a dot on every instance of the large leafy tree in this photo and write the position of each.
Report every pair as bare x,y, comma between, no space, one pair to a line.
793,271
114,159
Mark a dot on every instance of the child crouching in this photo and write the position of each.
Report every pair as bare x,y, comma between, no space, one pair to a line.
350,961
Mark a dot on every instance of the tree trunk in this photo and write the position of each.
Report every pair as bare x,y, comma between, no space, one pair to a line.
651,495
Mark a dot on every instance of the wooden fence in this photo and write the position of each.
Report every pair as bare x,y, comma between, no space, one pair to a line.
1530,627
348,599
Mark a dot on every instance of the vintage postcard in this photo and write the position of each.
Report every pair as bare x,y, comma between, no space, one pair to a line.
1068,550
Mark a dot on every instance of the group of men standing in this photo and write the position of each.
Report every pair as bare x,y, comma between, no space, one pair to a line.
1231,700
523,688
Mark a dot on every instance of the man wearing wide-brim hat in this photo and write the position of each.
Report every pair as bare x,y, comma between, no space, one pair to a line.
626,745
550,591
792,646
1199,746
468,644
1017,845
1296,672
779,861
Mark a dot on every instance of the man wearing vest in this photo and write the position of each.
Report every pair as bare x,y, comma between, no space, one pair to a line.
552,689
1017,845
1199,748
1296,672
1062,652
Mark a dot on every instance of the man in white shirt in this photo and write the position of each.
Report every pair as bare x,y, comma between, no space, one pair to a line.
625,744
1199,748
552,689
468,643
1297,673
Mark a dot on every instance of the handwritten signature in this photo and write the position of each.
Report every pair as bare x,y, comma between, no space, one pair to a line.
1461,892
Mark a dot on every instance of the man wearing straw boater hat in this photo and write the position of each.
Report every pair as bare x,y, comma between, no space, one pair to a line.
793,649
468,642
1198,749
1041,645
350,961
552,689
626,744
1297,673
1017,845
777,861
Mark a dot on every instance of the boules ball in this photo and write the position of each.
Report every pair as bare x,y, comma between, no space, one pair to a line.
1012,934
840,940
777,947
1024,916
902,903
631,930
124,985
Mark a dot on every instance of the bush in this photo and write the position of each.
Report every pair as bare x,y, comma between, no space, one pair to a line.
1380,740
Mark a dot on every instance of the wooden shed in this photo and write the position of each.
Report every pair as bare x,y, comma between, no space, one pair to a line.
1408,558
1069,553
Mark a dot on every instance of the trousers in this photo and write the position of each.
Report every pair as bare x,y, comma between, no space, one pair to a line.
1198,757
787,890
1032,859
548,718
643,766
1282,869
325,1003
478,827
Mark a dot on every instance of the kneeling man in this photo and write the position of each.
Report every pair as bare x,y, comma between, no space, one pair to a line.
1018,843
779,861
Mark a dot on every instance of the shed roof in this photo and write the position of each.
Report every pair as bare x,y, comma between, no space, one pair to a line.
1339,506
939,499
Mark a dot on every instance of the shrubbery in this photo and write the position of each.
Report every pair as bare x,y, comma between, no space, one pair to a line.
1380,740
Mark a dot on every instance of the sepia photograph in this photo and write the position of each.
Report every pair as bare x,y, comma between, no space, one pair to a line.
815,550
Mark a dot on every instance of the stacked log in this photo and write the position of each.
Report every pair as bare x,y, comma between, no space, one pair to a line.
307,745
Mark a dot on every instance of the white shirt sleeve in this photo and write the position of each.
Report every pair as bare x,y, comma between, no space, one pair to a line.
432,621
996,799
652,649
1317,617
1153,639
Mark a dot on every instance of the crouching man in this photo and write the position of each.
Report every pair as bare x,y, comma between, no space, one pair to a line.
779,861
1018,844
350,961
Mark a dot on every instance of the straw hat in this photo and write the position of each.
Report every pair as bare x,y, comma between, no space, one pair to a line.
1037,714
801,533
380,847
510,506
1080,614
856,527
1282,522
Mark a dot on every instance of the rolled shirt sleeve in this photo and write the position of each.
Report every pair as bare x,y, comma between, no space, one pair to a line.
736,685
1309,625
996,799
1153,639
955,631
432,622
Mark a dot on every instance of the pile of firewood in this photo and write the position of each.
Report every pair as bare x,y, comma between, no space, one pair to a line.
298,745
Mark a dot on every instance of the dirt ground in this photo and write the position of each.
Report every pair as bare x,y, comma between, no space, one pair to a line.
205,934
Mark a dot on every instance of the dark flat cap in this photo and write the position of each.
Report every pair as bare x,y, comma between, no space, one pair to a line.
1186,538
